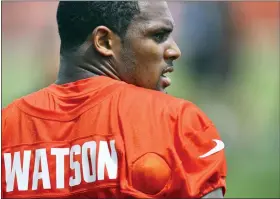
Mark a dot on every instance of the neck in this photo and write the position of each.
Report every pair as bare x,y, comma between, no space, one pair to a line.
74,67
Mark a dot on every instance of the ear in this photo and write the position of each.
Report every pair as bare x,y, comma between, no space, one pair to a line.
102,39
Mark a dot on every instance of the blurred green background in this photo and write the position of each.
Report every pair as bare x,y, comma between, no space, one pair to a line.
229,68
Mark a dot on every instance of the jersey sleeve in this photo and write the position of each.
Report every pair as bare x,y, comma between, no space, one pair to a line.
200,158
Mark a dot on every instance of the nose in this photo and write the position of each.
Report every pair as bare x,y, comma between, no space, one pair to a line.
173,52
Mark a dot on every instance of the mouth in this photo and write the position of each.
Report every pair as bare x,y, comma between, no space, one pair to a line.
166,81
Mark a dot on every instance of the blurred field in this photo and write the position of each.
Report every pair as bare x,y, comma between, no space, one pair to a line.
244,105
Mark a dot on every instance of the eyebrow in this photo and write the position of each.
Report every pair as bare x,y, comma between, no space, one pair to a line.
169,24
163,24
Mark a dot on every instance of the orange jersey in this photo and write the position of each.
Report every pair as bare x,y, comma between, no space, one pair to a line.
100,138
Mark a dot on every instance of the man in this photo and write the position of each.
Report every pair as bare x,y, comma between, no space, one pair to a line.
104,129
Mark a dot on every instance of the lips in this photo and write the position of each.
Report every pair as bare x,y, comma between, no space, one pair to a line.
166,81
169,69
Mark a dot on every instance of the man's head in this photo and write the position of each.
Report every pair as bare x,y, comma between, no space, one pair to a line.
134,37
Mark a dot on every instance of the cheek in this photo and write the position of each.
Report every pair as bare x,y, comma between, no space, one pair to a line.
153,62
149,52
149,57
143,63
149,64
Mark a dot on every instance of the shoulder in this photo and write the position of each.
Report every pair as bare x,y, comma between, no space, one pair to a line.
160,107
10,109
13,109
141,96
9,115
133,96
136,100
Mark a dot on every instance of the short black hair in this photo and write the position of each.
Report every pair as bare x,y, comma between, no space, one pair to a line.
77,19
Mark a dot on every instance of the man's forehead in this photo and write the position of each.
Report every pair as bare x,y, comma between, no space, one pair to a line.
155,11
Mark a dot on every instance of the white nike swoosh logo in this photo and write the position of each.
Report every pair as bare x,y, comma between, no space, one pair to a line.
219,146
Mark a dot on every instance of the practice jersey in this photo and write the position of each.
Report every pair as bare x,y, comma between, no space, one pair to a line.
103,138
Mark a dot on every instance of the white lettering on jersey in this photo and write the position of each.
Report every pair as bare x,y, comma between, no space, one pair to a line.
91,146
105,159
22,173
76,180
41,160
83,162
60,153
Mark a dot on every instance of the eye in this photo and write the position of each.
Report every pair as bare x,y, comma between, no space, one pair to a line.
160,36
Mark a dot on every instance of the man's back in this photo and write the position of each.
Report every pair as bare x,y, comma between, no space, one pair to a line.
99,137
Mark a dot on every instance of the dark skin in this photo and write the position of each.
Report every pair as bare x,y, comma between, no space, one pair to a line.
142,57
